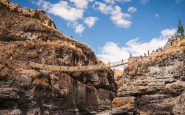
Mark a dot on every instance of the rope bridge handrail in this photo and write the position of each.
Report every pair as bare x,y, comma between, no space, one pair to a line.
66,68
118,63
72,68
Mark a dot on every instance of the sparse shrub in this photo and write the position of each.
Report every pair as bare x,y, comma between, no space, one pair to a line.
36,16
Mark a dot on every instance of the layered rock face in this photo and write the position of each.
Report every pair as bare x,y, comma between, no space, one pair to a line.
155,84
30,35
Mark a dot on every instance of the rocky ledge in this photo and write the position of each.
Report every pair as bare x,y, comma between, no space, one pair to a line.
155,84
30,35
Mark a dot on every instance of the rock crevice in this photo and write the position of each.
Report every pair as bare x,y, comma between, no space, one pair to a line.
30,35
155,81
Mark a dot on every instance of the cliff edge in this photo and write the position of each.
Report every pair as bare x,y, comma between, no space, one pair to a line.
154,84
31,35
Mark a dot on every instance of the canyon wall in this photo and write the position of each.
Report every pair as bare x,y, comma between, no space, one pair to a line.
154,84
31,35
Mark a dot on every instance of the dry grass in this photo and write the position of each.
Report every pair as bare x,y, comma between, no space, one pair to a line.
64,44
69,41
178,45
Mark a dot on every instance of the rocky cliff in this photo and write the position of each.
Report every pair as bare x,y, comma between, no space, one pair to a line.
30,35
154,84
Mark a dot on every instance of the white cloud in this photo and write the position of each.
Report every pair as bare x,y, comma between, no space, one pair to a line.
168,32
63,10
82,4
121,20
71,11
90,21
109,1
132,9
104,8
116,15
79,28
42,3
111,51
113,1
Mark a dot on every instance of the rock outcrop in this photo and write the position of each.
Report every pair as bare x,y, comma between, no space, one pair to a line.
30,35
154,84
40,15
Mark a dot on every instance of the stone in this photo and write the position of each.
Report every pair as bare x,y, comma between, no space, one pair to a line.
9,94
156,82
107,112
28,35
10,112
179,107
123,104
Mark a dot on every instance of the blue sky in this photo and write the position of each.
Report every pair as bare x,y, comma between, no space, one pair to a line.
114,28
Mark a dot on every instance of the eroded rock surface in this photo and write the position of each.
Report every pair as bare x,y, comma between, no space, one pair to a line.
30,35
156,82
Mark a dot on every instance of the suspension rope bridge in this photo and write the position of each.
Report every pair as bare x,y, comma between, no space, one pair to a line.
77,68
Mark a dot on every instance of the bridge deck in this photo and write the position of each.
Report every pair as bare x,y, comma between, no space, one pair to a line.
67,68
73,68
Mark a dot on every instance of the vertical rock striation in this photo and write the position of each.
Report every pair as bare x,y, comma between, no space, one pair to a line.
31,35
154,85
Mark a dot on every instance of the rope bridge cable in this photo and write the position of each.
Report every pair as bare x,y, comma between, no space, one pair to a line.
118,63
75,68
